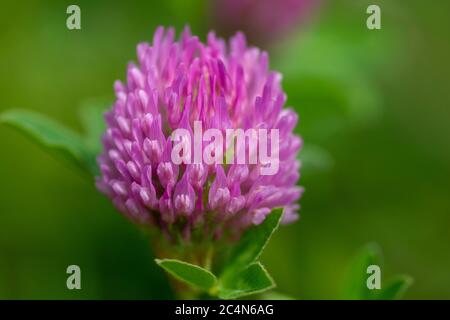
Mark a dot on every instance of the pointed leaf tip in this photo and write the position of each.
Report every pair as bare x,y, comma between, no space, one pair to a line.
253,242
252,280
189,273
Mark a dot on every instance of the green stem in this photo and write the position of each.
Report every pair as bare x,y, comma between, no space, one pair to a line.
209,257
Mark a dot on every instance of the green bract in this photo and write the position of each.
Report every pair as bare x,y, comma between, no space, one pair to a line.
242,275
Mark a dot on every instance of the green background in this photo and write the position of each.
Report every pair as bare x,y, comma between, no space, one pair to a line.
374,114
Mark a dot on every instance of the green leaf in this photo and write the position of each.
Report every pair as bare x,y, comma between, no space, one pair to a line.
253,242
357,277
188,273
55,138
251,280
395,288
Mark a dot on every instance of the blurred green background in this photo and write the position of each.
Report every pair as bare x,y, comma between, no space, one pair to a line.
374,114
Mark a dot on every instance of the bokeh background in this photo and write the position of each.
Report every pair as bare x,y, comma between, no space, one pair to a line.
375,117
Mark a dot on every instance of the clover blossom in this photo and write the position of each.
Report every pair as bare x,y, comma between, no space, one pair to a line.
220,86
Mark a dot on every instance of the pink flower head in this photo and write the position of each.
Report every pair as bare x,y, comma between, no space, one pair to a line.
175,85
